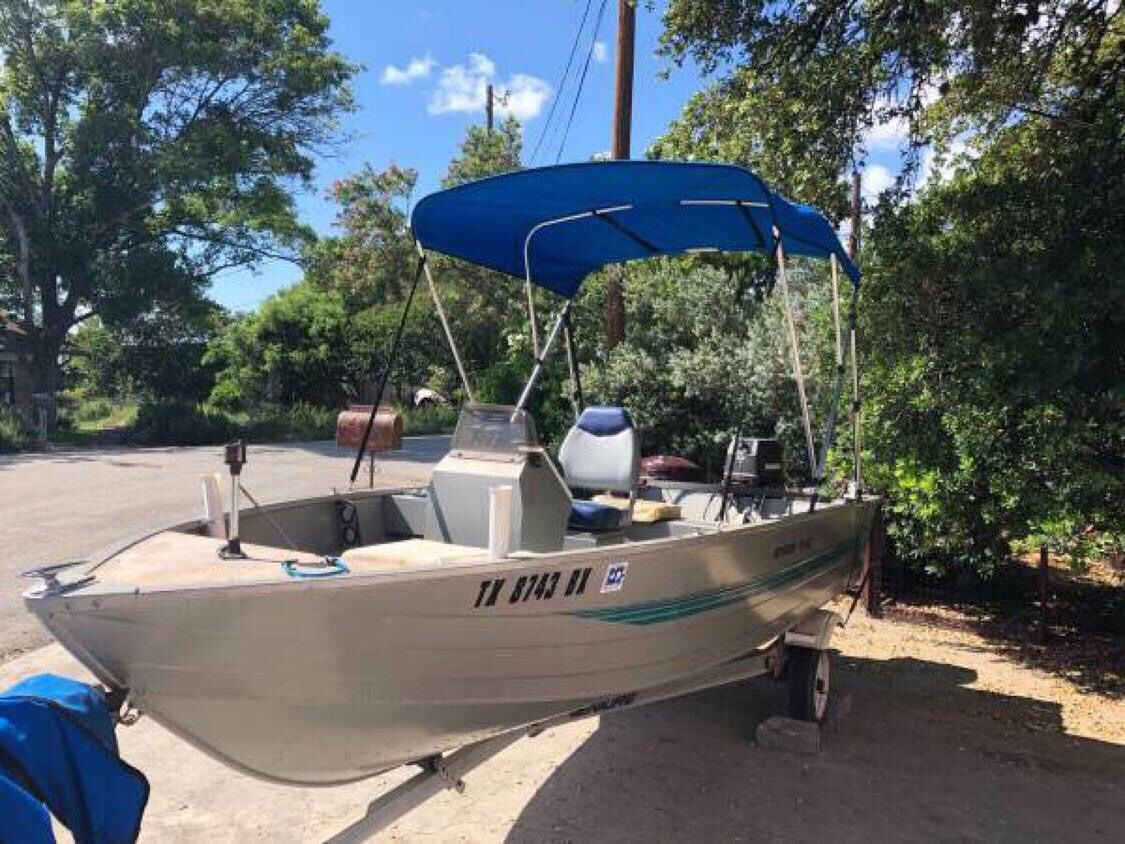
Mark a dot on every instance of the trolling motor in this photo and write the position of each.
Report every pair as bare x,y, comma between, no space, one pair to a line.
234,455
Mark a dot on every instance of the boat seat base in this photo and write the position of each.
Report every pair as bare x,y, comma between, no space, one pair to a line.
410,552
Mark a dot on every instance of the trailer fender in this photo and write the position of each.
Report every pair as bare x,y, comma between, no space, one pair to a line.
814,632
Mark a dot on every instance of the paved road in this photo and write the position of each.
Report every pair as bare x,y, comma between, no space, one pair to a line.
65,505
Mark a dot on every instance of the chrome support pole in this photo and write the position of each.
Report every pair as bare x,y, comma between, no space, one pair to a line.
857,418
798,373
235,506
445,322
828,438
532,318
537,370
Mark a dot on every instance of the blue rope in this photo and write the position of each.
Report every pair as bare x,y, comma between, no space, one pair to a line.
331,567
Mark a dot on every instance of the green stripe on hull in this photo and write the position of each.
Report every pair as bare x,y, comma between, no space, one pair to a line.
671,609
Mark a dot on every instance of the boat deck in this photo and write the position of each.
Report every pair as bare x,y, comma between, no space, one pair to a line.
173,559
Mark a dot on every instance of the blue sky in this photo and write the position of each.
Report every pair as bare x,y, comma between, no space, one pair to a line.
425,65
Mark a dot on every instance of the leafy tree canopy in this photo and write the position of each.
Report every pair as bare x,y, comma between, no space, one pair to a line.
324,340
156,355
147,144
992,311
944,67
485,153
993,324
372,260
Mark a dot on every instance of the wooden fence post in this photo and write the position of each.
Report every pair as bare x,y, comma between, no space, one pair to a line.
1044,592
873,565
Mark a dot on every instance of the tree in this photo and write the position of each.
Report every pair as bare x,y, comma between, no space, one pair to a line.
372,263
485,153
372,260
158,355
712,357
993,297
995,308
835,69
146,145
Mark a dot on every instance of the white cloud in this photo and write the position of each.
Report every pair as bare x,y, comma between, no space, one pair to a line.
414,70
876,179
525,96
887,136
461,89
892,134
601,52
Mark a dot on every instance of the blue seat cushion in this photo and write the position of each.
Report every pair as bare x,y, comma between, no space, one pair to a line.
589,515
604,421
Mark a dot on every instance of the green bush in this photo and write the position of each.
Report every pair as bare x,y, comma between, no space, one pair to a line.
298,422
184,423
704,355
14,434
994,400
173,422
429,419
93,410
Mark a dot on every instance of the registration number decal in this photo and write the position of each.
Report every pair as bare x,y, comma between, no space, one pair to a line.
540,586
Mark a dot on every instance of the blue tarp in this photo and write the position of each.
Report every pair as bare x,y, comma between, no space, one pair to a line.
58,752
640,209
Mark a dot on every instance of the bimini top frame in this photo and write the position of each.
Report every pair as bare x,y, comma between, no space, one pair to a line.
553,226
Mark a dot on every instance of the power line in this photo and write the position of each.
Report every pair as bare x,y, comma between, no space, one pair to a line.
581,80
562,81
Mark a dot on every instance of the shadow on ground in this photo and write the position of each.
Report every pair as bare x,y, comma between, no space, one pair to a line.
913,754
1085,621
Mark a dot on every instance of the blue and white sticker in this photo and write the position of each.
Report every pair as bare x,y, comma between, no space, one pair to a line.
614,577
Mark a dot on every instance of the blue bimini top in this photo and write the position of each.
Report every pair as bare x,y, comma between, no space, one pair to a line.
572,219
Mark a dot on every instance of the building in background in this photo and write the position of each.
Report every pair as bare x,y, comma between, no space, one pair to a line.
15,368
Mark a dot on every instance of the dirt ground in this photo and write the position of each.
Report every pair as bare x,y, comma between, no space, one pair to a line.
935,734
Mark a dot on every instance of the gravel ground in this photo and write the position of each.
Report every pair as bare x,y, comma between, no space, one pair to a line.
1060,706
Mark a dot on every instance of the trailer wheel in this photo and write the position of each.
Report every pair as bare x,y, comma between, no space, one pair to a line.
808,684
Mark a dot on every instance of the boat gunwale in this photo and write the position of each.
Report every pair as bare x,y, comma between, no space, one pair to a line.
99,590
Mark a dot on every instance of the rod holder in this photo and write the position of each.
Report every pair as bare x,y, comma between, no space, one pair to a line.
234,456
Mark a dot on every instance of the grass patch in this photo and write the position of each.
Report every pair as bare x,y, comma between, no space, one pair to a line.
95,415
173,422
428,419
14,434
184,423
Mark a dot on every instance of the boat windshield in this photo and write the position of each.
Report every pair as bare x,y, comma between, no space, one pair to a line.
494,428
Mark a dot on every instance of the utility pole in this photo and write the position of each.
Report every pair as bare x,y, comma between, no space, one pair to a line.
488,97
622,128
623,87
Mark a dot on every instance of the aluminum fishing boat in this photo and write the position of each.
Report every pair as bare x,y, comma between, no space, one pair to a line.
325,640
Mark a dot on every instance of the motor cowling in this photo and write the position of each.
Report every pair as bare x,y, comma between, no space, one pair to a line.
758,461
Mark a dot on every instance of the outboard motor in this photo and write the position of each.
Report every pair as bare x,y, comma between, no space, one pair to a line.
757,462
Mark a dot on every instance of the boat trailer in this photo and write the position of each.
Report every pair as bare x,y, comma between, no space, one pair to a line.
800,655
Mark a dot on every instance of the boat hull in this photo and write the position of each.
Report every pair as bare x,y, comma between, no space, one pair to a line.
332,680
